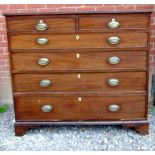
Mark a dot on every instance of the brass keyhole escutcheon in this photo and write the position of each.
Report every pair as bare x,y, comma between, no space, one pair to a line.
78,55
77,37
79,76
79,99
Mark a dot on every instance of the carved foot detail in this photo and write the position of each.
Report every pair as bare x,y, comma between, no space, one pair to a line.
142,129
20,130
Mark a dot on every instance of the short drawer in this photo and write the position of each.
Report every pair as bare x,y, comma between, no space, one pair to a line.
113,21
80,82
42,61
41,23
59,41
80,108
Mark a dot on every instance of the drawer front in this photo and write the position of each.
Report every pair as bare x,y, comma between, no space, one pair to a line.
82,82
59,41
79,60
127,21
41,23
80,108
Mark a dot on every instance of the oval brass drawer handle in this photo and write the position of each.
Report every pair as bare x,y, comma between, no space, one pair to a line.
43,61
41,26
46,108
113,40
113,82
113,108
42,41
114,60
45,83
113,24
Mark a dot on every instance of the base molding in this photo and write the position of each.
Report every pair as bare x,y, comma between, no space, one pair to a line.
141,127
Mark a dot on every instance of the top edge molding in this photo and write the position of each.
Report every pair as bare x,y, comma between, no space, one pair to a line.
72,13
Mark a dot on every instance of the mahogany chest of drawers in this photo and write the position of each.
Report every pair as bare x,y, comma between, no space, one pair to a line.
79,68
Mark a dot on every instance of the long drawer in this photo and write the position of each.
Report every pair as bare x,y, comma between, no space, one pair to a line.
80,82
78,60
80,108
59,41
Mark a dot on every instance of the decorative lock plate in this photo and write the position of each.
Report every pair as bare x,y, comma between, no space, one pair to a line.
113,40
113,82
41,26
113,24
113,108
46,108
114,60
45,83
42,41
43,61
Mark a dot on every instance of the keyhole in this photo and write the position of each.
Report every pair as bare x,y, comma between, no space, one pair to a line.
78,55
79,99
79,76
77,37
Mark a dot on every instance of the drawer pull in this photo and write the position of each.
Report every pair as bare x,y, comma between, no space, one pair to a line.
42,41
46,108
41,26
113,24
114,60
43,61
113,108
113,40
113,82
45,83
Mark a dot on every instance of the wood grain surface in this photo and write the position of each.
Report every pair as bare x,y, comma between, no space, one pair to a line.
54,23
90,108
62,41
101,21
88,82
78,60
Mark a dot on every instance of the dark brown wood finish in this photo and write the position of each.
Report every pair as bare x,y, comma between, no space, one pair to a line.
128,12
87,82
101,21
148,75
64,23
60,94
78,60
79,69
54,23
141,126
71,108
61,41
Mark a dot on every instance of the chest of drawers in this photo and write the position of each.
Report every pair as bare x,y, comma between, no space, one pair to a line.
79,68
